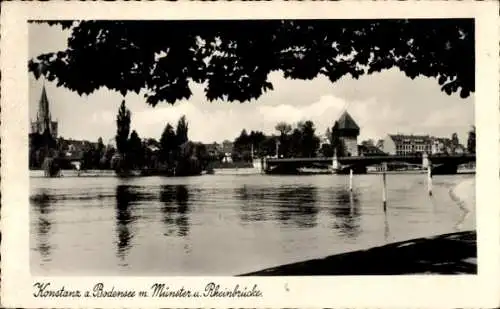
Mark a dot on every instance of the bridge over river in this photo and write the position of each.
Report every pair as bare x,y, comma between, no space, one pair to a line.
439,163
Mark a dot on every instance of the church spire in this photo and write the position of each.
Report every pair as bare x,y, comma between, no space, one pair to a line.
44,117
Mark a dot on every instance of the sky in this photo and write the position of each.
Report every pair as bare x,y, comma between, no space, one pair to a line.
381,104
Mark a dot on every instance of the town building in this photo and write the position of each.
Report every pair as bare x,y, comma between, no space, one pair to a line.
402,144
227,149
43,120
324,139
347,131
213,149
370,150
444,145
79,146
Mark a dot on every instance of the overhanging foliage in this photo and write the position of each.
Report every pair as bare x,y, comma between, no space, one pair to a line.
232,59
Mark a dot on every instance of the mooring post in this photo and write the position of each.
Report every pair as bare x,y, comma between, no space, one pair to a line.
429,179
350,179
384,186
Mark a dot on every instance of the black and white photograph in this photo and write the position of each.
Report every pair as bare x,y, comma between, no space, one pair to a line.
251,148
271,147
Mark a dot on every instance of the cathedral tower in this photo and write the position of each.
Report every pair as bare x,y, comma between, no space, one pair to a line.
43,117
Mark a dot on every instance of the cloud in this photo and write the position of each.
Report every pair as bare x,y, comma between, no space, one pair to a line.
326,111
103,117
206,126
327,105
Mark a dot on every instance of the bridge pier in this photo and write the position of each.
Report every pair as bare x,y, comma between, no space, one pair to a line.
335,164
265,166
350,179
425,160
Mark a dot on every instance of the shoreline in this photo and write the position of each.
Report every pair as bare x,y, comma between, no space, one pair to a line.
445,254
219,171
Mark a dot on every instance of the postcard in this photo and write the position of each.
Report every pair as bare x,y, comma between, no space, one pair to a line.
242,154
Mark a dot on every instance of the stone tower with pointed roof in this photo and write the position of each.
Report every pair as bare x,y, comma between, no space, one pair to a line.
348,132
43,117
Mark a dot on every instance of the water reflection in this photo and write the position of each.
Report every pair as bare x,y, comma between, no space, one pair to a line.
175,216
345,209
271,221
294,207
252,203
43,206
387,231
126,197
297,206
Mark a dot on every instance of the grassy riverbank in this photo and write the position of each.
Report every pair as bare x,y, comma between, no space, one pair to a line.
447,254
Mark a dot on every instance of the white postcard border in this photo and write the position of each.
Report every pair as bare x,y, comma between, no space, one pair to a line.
349,291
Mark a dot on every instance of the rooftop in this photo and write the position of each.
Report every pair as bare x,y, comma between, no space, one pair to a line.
403,138
346,122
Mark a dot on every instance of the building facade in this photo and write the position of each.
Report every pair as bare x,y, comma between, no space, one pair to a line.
444,145
401,144
347,131
43,120
370,150
227,149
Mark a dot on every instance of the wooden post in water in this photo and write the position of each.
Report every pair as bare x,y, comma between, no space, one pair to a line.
427,164
384,186
429,179
350,179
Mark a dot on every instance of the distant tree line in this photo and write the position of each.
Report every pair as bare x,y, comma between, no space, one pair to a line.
173,154
300,140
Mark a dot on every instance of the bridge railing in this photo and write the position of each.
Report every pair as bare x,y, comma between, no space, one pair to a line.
374,158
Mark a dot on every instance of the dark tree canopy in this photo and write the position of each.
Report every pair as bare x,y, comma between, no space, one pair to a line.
168,141
135,149
182,130
122,128
471,140
232,59
284,128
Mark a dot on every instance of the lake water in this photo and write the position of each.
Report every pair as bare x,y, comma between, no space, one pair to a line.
227,224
